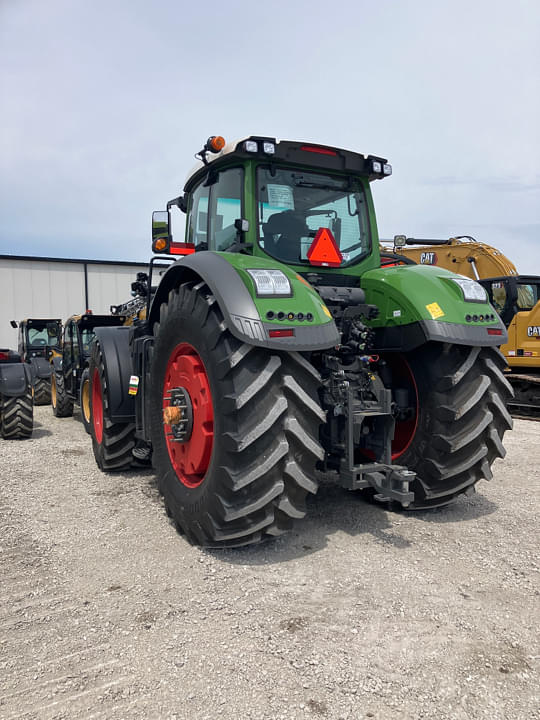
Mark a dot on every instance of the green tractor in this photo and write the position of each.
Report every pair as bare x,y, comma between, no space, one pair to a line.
277,349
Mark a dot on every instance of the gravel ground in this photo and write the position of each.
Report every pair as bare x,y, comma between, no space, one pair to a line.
107,612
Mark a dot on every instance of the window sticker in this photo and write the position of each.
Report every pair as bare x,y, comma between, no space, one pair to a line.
397,313
434,309
280,196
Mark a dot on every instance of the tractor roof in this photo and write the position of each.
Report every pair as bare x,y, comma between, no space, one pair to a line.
269,149
89,320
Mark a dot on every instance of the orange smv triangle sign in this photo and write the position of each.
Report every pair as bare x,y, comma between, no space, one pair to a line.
324,250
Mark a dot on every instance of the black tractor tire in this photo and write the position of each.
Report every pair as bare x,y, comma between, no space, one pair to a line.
42,391
266,419
84,399
62,404
112,442
462,418
16,416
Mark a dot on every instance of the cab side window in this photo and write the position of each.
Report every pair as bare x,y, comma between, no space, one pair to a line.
225,208
197,225
68,345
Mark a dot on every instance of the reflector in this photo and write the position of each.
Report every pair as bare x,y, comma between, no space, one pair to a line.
181,248
281,333
324,250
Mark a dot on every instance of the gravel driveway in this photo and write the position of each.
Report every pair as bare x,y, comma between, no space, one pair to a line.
107,612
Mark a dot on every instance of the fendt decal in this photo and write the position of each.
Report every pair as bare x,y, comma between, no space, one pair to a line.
533,331
428,258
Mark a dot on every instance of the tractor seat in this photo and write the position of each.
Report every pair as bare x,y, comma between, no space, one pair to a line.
283,235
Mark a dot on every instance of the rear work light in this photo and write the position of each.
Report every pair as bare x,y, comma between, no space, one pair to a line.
320,150
251,146
281,333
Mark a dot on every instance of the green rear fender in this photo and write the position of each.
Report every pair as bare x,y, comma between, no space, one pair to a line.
419,303
250,318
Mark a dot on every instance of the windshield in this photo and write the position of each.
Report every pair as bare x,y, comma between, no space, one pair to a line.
527,295
293,205
43,336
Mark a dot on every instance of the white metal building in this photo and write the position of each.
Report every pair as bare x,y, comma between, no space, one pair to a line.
44,287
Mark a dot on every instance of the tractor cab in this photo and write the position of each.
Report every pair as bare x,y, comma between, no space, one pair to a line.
306,206
39,338
512,294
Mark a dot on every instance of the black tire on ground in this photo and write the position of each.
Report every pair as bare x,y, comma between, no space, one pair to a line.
462,396
16,416
112,442
265,428
42,391
62,404
84,399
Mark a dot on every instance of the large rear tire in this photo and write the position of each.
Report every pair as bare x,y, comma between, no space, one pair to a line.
112,442
245,471
16,416
461,420
42,391
62,404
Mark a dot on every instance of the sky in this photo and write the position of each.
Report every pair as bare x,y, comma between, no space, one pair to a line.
104,104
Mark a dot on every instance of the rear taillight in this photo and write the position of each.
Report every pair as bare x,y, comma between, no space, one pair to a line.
4,355
494,331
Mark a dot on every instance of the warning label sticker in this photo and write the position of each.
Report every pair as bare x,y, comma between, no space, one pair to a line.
280,196
435,310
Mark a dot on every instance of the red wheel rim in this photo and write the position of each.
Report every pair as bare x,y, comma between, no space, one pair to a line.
190,459
97,407
405,430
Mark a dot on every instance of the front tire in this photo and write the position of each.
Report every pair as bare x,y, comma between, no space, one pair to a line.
17,416
245,471
62,404
42,391
461,420
112,442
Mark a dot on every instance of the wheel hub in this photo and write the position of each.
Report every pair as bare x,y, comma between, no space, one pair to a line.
179,415
188,415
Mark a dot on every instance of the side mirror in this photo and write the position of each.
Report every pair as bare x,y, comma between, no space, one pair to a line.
400,241
161,236
162,241
13,324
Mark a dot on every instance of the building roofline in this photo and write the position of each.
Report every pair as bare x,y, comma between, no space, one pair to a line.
80,261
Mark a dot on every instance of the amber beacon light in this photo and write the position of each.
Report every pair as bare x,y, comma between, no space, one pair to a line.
215,143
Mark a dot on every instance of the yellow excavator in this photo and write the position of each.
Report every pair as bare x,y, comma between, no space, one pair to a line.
515,297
